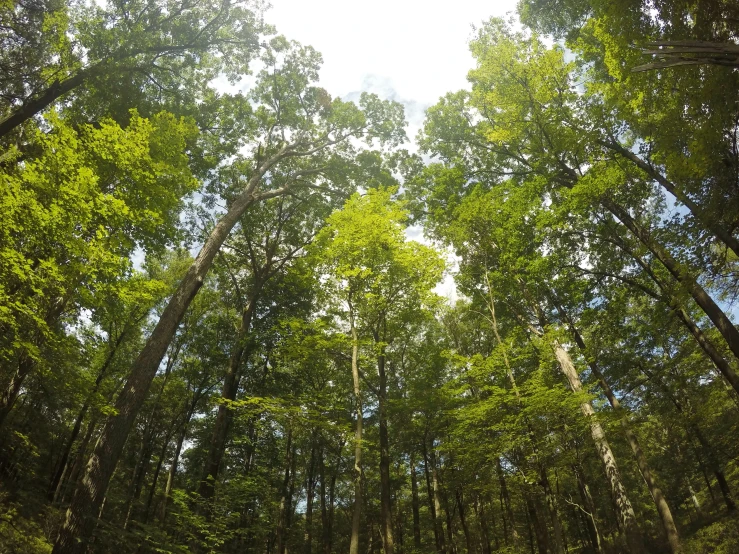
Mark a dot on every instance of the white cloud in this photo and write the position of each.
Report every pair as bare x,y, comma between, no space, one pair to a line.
418,46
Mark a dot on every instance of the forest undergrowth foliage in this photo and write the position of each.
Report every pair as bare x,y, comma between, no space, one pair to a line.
216,336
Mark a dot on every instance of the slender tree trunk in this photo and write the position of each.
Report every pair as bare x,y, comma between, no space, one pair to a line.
438,536
540,531
415,506
327,505
683,276
463,522
139,473
283,520
663,508
706,447
89,494
436,487
386,523
587,500
506,503
449,512
77,465
482,522
625,510
172,472
672,300
229,391
709,222
309,496
552,508
357,515
62,465
11,392
155,478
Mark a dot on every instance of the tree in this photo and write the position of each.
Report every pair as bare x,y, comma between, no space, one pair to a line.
383,282
304,137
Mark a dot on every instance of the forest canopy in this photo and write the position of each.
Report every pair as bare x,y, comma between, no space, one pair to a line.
218,336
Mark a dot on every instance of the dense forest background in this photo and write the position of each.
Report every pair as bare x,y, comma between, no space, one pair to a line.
217,337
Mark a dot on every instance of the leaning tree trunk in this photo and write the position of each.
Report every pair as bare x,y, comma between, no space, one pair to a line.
670,298
626,513
663,509
683,276
710,223
88,496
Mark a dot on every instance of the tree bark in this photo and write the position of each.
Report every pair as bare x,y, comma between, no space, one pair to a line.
62,465
626,513
89,495
172,472
506,503
708,450
674,303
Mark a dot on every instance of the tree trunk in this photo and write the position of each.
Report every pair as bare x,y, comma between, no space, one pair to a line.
705,446
62,465
438,536
706,220
11,392
415,506
357,515
309,495
89,494
386,518
463,521
663,509
482,521
283,519
436,487
625,510
155,478
327,506
674,303
52,93
683,276
552,508
540,531
506,503
230,388
77,466
587,500
172,472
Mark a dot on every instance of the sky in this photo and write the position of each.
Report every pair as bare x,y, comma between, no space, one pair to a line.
411,51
